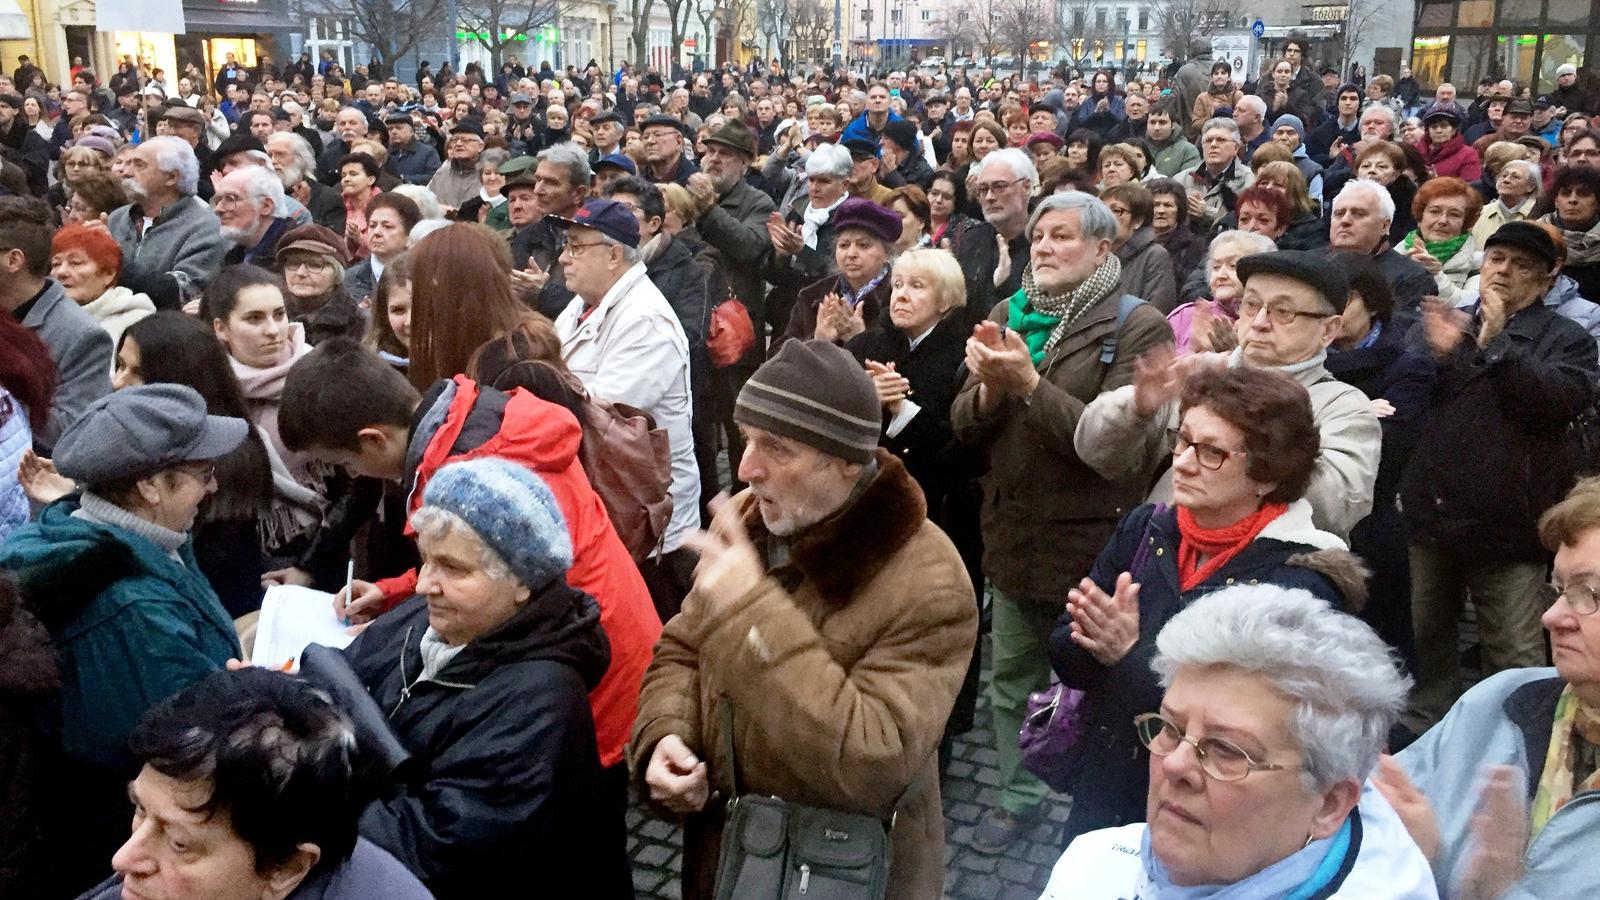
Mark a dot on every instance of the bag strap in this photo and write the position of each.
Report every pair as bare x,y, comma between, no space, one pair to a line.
1142,554
1125,308
725,708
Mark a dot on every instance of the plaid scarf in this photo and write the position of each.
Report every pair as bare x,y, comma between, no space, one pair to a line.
1043,318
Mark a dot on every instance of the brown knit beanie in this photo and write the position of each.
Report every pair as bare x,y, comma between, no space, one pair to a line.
816,393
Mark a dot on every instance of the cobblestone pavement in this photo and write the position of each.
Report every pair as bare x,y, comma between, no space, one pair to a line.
968,789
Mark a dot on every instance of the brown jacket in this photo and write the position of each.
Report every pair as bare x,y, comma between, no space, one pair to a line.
841,667
1206,105
1046,513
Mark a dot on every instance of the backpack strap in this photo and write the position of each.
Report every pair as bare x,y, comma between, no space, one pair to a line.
1125,308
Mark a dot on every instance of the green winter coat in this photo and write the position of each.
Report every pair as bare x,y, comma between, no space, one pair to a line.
131,626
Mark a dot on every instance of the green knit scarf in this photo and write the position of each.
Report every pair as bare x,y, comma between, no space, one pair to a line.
1042,318
1440,250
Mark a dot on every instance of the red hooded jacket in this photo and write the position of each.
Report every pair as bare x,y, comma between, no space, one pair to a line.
478,422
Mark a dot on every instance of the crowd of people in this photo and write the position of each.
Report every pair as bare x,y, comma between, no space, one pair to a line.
637,426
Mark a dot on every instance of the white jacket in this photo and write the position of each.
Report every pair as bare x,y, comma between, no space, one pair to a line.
115,310
632,350
1388,866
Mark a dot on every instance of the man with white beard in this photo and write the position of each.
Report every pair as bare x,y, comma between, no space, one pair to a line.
249,203
296,166
171,243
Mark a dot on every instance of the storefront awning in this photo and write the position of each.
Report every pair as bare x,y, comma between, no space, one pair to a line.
13,24
234,21
157,16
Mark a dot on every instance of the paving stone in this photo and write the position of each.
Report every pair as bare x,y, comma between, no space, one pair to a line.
959,769
966,813
654,855
1015,870
645,880
657,829
976,862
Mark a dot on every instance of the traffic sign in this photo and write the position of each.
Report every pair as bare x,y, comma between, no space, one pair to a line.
1258,28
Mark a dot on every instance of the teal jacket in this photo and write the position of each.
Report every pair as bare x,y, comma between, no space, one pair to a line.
131,626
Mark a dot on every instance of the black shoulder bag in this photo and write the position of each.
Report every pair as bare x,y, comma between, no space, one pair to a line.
773,849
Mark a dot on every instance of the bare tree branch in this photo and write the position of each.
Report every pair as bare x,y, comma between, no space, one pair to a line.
392,28
1184,21
1022,22
499,23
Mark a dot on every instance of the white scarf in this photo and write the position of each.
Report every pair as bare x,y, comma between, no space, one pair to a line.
813,219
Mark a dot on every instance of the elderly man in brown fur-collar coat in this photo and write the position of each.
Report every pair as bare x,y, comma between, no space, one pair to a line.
833,617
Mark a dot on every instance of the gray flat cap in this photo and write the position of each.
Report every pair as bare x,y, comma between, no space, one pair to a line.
137,432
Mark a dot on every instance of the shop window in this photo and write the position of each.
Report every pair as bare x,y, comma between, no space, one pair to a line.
1436,15
1519,12
1428,56
1558,49
1569,12
1515,52
1475,14
1472,57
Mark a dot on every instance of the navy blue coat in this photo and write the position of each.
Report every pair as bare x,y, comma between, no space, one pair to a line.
1113,776
504,777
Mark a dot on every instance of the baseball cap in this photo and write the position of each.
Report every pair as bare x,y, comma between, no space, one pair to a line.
608,217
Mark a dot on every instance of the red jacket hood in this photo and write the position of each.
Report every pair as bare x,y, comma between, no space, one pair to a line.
529,431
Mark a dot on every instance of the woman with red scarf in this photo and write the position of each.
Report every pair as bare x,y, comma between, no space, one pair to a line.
1243,455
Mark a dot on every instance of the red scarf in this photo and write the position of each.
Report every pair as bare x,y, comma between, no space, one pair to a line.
1217,544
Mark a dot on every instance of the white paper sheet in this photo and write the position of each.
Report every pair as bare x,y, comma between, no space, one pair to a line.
291,618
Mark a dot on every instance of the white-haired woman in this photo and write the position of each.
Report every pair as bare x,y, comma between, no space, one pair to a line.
1274,710
914,355
1206,323
1516,193
803,235
494,626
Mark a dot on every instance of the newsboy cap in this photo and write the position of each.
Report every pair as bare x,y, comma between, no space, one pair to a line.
139,431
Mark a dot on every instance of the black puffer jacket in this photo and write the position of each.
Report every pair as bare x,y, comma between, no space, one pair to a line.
504,780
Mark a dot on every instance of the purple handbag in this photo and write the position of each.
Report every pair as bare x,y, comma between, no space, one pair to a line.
1050,732
1054,721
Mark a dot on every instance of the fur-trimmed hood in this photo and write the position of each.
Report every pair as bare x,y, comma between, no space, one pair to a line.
850,547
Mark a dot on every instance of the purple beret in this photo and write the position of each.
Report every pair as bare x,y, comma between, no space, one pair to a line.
879,221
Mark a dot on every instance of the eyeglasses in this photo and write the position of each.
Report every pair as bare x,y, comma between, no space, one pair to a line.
205,473
1583,598
1220,759
572,248
995,187
309,265
1210,455
1277,313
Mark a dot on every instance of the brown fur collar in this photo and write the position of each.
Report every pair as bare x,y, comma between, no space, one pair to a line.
846,550
1345,569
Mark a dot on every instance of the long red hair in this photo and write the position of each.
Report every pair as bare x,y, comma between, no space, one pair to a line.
26,371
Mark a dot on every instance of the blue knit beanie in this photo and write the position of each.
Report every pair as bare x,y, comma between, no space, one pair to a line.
512,511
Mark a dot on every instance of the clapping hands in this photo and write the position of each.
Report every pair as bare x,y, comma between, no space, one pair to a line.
838,321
